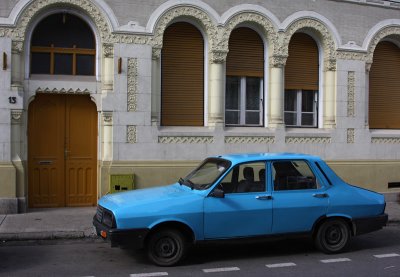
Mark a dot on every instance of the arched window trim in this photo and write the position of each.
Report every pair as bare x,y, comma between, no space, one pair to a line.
205,61
77,13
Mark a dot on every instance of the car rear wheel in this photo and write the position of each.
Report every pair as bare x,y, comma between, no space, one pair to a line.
333,236
166,247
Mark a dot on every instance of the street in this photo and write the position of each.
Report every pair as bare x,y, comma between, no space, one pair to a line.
375,254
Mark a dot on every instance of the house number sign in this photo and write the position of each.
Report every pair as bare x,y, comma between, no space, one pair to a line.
12,100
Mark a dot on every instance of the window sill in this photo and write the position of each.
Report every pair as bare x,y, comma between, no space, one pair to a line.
74,78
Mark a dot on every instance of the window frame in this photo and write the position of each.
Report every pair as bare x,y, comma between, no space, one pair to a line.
298,108
242,103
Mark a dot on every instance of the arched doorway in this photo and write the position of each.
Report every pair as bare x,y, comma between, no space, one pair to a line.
62,153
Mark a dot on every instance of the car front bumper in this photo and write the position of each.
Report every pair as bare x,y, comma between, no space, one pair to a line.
132,238
369,224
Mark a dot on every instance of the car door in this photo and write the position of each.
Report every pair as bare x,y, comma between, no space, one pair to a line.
246,208
299,196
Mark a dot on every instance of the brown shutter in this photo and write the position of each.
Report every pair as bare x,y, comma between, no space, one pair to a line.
384,87
182,92
246,54
301,70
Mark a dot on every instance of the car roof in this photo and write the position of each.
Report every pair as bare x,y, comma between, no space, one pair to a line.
246,157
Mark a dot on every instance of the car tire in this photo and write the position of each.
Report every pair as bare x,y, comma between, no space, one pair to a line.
333,236
166,247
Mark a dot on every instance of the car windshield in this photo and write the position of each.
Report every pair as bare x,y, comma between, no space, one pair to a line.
206,174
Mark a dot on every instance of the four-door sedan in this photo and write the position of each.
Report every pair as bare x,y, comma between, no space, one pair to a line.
237,197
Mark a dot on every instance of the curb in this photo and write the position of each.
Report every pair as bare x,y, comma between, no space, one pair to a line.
53,235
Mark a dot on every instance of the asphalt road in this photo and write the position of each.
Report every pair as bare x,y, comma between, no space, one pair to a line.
375,254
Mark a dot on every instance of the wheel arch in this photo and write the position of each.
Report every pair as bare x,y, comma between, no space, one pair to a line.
186,230
324,218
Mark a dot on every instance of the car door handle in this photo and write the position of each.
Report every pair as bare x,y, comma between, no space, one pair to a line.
264,197
320,195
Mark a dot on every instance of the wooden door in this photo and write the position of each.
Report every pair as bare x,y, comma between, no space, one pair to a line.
62,151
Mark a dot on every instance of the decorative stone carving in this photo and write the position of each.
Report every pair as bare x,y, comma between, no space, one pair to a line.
185,12
252,18
249,139
5,32
107,118
131,134
351,55
277,61
185,139
17,47
294,140
132,84
386,140
385,32
36,6
325,38
351,94
108,50
16,116
62,91
350,135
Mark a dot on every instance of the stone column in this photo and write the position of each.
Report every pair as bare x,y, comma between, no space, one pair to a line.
156,86
17,65
329,95
216,95
107,136
108,67
276,91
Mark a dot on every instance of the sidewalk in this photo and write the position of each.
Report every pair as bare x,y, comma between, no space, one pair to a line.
75,223
57,223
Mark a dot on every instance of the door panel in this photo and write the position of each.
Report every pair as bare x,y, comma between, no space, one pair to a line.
80,151
46,161
62,151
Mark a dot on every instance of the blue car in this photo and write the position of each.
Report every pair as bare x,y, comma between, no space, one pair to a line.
241,196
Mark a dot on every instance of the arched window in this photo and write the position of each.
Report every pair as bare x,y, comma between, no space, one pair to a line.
182,81
384,87
244,79
301,82
63,44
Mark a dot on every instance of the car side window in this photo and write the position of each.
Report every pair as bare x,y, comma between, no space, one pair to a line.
293,175
248,177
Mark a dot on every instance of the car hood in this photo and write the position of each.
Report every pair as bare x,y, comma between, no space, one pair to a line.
148,196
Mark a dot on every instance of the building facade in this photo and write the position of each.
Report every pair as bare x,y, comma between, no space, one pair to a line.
96,89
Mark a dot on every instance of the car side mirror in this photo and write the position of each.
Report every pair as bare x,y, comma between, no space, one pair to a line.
217,193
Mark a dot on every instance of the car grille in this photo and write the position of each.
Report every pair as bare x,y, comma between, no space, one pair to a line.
105,216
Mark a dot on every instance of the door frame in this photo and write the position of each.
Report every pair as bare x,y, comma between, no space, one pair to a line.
97,168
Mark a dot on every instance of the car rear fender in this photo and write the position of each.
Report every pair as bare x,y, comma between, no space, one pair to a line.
322,219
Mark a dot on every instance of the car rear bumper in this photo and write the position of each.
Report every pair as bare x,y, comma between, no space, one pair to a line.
132,238
369,224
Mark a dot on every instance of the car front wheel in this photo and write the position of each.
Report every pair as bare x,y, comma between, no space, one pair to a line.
333,236
166,247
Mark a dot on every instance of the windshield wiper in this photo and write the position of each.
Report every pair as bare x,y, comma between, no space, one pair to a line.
186,182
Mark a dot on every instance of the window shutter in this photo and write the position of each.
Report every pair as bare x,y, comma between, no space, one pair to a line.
182,81
246,54
384,87
302,65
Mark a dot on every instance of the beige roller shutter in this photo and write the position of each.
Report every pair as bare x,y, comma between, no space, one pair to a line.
384,87
246,54
301,70
182,69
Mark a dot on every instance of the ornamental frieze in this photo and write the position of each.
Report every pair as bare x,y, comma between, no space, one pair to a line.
294,140
249,139
62,91
185,139
385,140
